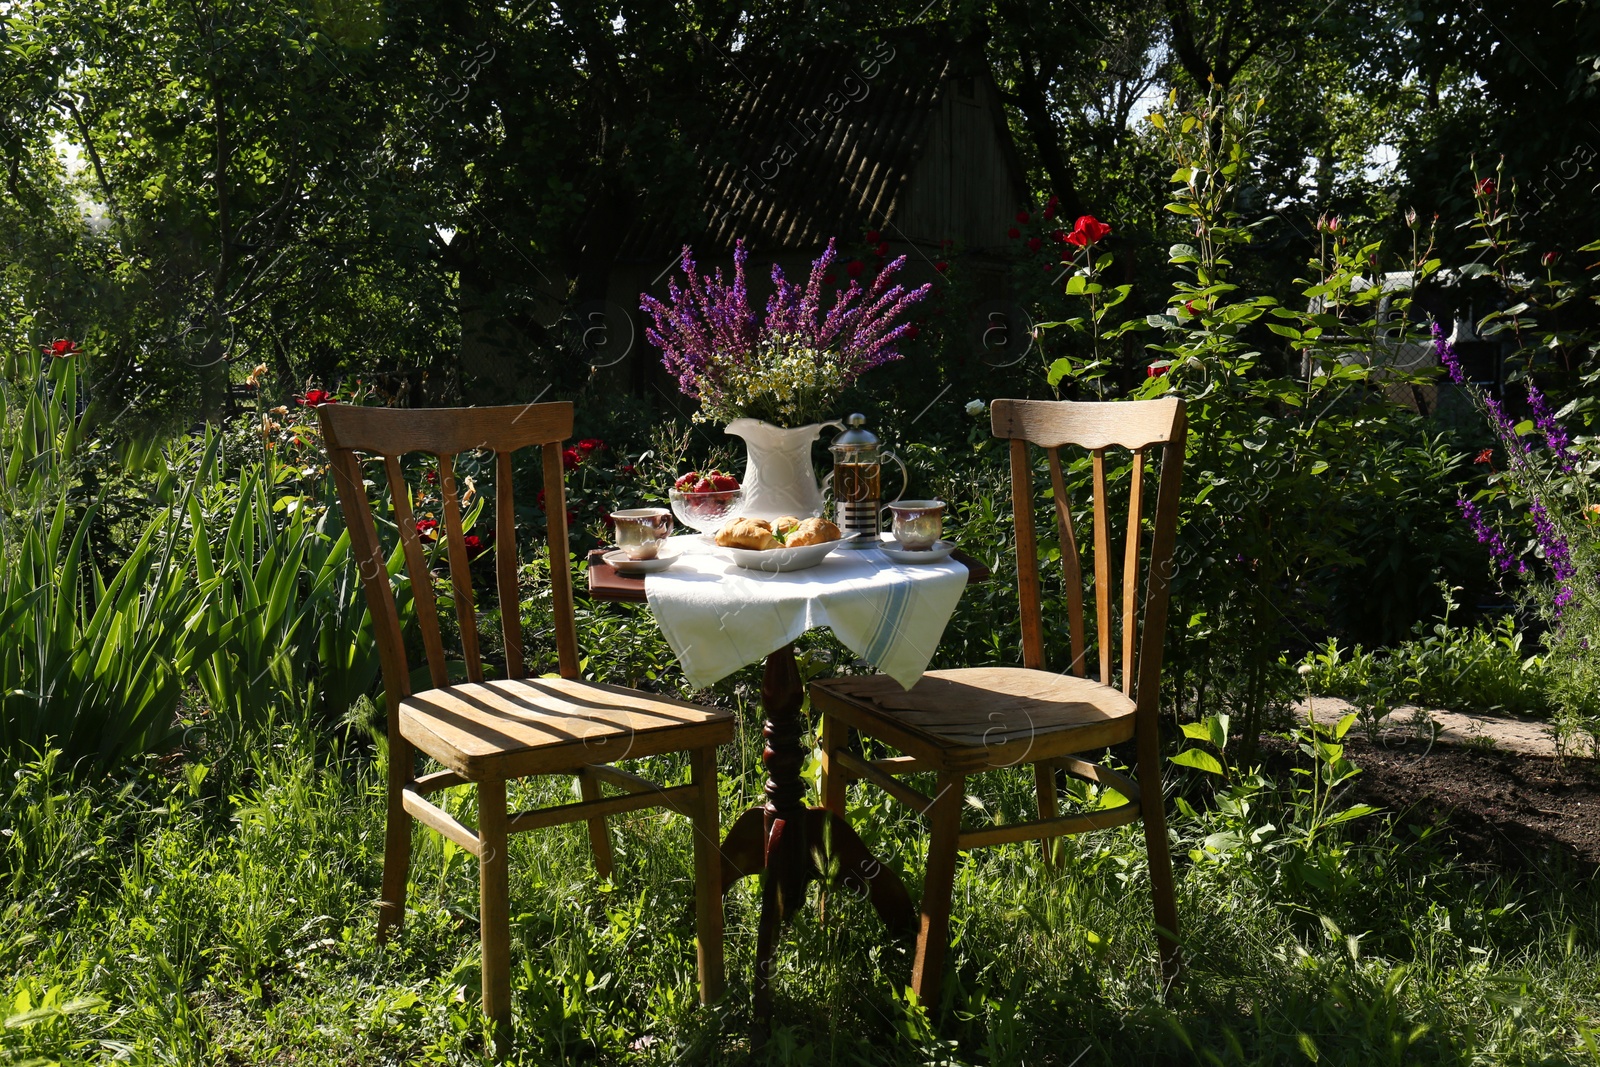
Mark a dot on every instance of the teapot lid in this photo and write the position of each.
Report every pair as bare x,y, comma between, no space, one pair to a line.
856,435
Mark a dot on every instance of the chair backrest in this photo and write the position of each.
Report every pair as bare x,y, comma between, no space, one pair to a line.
1136,425
388,434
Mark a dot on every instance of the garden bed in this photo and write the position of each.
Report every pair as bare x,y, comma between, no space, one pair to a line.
1509,809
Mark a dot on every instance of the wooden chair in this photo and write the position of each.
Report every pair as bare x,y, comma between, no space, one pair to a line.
954,723
488,732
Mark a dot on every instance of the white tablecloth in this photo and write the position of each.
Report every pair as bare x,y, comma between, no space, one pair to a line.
718,617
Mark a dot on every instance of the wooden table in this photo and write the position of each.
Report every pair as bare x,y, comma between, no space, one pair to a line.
785,837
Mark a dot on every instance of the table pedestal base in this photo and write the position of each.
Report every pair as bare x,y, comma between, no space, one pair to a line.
793,853
794,844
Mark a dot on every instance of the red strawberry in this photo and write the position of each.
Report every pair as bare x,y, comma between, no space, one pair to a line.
724,482
704,485
686,483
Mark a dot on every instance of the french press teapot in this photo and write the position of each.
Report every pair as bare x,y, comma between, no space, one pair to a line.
857,482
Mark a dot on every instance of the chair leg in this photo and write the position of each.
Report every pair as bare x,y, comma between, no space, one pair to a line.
1044,779
934,936
396,839
599,836
1163,892
835,736
494,918
707,876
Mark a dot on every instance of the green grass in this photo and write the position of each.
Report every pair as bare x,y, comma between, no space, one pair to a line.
223,913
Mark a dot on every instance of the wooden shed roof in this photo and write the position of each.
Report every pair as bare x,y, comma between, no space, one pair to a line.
820,144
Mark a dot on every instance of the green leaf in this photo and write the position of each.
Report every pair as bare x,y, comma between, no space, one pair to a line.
1218,725
1199,760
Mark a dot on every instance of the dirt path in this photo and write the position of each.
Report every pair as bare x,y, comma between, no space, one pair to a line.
1408,723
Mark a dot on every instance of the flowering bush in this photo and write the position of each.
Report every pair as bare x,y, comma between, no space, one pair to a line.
787,367
1540,503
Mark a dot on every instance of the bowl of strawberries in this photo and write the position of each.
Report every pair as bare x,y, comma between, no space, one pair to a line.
705,502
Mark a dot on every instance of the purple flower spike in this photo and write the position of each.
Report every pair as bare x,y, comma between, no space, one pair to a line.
1447,354
1503,557
1555,435
1557,553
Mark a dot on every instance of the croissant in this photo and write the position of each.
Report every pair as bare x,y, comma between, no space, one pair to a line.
782,526
747,533
813,532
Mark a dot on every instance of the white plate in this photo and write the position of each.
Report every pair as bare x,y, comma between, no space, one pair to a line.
937,554
774,560
635,567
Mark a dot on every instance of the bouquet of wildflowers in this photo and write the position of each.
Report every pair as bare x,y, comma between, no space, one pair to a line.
788,366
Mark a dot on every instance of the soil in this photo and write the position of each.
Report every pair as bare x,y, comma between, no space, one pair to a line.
1507,808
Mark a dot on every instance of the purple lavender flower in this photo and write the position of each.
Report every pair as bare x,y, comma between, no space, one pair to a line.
701,323
1447,354
707,326
1557,553
1502,556
1555,435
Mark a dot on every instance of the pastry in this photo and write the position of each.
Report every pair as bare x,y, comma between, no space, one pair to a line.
782,527
747,533
813,532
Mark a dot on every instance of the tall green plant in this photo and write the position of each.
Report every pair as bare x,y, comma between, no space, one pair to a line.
90,663
1272,422
278,559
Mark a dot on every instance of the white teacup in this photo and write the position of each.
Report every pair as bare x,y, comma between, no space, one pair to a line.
918,523
640,531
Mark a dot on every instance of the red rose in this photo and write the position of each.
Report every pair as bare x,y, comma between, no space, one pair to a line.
315,397
62,349
570,458
1485,187
1034,244
1088,231
1156,370
1549,259
628,469
590,444
854,268
1022,216
428,529
1013,233
882,249
477,546
941,266
873,237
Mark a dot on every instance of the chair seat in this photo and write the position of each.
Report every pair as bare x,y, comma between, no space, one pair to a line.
978,717
507,729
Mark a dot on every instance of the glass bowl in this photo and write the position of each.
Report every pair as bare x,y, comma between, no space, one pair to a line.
706,512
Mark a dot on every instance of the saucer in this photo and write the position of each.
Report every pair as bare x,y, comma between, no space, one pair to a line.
937,554
637,567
